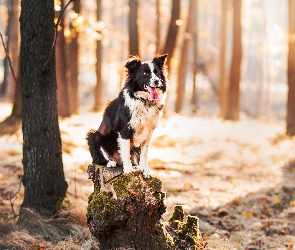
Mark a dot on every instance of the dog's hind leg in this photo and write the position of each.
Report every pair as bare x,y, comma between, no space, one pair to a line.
93,138
111,163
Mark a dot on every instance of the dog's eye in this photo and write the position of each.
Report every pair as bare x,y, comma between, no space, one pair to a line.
157,73
146,73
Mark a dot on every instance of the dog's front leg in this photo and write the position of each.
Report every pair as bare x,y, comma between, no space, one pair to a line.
124,146
143,162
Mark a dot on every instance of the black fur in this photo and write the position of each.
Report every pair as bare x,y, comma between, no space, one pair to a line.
139,85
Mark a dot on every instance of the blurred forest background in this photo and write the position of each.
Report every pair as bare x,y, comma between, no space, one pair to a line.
225,146
213,46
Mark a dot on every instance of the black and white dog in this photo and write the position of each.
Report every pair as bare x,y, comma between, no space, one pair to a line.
129,120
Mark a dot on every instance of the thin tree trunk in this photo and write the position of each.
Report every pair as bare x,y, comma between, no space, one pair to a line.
233,105
74,61
290,118
158,26
64,93
182,70
13,41
194,100
12,123
98,102
43,179
133,28
222,63
170,43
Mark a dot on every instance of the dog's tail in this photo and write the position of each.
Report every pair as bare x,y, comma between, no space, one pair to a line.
93,138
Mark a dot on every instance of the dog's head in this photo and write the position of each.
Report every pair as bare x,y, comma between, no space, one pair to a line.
149,77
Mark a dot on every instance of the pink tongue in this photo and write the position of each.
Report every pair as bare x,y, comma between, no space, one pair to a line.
153,93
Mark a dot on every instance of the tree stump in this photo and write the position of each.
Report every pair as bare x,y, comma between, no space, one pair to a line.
125,212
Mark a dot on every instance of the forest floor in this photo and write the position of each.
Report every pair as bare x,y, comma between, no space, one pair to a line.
237,177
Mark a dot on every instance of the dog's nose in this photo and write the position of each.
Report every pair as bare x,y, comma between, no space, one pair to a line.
156,82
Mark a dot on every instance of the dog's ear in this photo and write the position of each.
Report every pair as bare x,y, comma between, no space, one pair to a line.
160,60
132,64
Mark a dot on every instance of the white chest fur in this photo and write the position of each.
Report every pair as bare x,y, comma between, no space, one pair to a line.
144,118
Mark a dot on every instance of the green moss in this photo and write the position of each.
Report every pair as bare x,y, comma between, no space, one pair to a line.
120,184
176,220
101,207
190,230
134,182
154,183
187,227
191,226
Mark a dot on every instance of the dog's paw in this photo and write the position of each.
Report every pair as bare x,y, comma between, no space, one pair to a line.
128,169
146,172
111,164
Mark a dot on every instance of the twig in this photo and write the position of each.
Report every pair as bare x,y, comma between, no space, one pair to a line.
11,68
11,201
55,35
75,181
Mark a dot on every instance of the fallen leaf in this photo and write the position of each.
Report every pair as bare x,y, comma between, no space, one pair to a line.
277,200
248,214
187,186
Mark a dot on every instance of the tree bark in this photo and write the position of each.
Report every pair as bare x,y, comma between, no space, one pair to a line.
182,70
233,105
133,28
125,210
290,118
43,180
170,43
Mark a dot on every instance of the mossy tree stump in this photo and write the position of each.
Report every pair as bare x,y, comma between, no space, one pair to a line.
125,212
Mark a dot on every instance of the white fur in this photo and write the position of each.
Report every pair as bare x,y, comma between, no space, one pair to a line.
111,164
154,77
124,149
144,120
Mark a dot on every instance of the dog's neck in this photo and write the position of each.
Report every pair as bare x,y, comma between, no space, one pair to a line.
141,97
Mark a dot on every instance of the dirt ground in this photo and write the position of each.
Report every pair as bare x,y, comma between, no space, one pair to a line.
237,177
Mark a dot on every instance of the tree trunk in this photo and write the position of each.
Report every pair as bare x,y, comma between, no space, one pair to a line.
222,59
14,57
12,123
233,105
194,97
4,85
74,60
170,43
158,27
98,102
182,70
8,87
125,211
290,118
43,180
133,28
64,93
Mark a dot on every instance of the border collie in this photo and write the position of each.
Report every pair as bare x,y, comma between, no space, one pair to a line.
123,137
